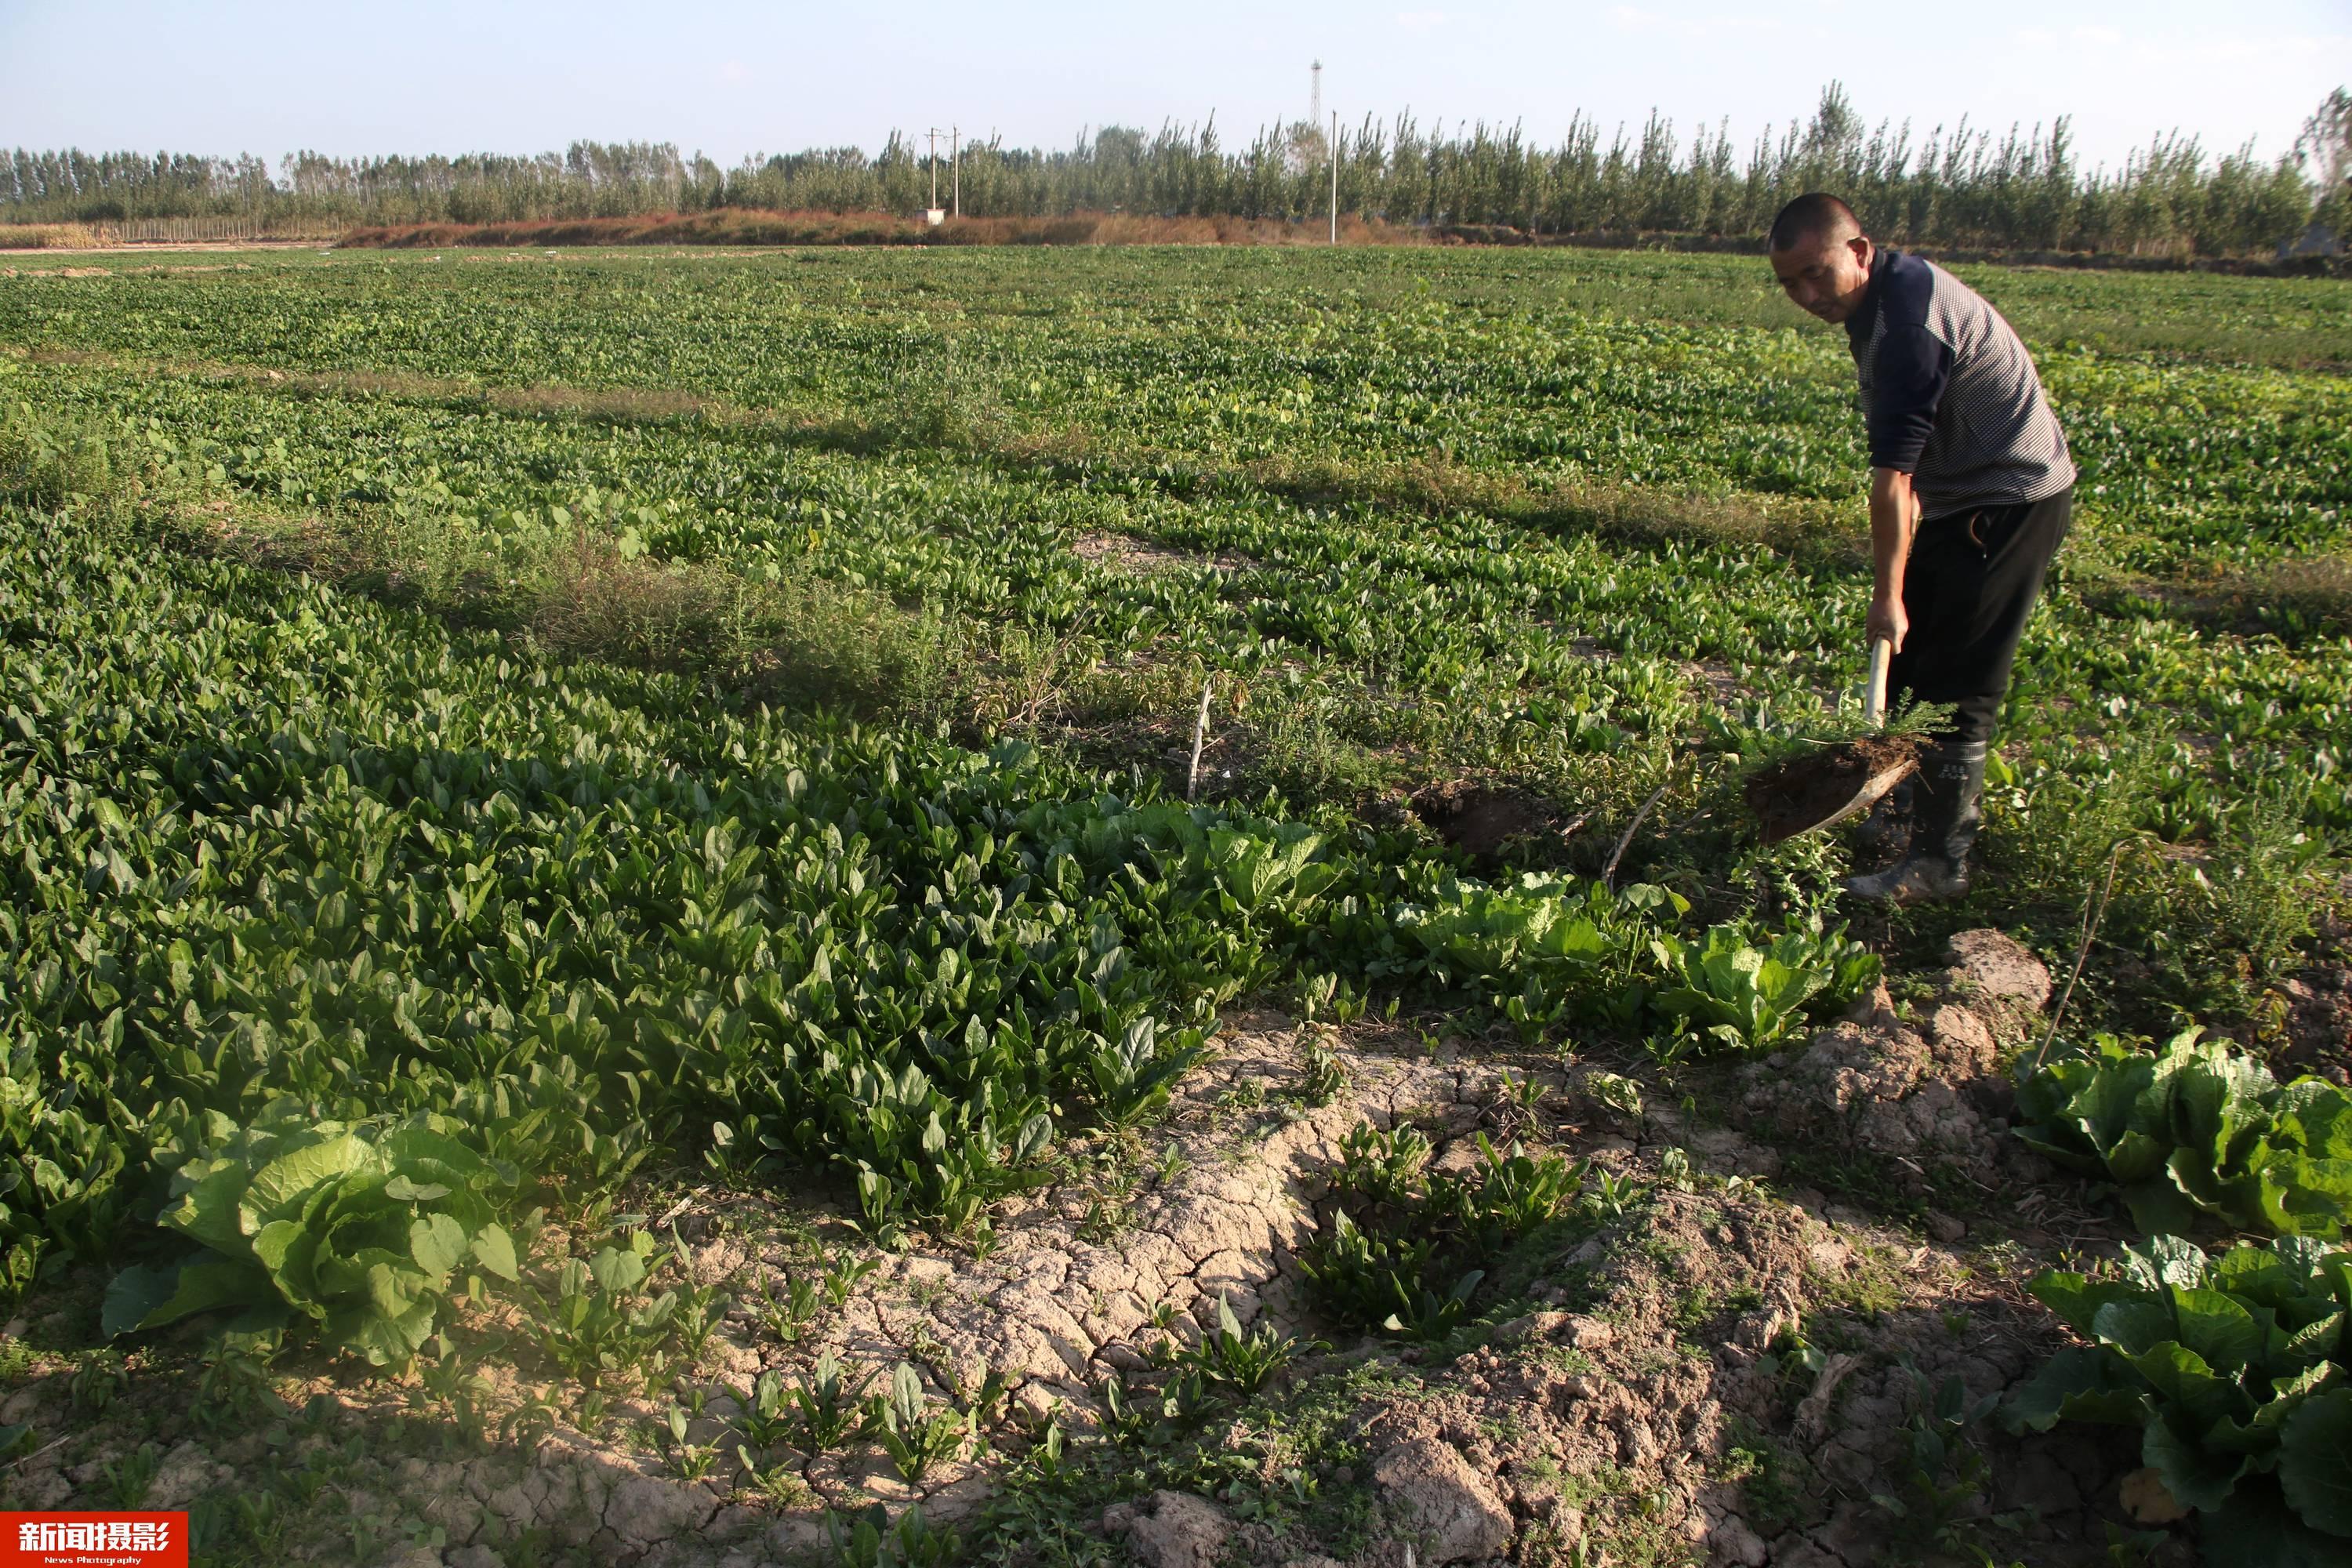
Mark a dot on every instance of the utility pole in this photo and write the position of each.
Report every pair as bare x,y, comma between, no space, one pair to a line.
1335,176
955,167
934,212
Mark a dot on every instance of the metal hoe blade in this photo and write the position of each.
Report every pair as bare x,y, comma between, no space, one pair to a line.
1805,795
1873,788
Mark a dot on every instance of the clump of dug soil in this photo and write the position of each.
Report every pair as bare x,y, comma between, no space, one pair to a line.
1798,794
1912,1093
1485,819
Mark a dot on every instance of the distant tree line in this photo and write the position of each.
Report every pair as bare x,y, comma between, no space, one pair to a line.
1964,188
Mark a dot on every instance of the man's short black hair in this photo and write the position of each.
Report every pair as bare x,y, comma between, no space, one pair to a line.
1810,216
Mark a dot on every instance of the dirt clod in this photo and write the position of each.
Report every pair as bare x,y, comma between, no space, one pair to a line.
1482,819
2146,1498
1793,796
1876,1091
2314,1033
1455,1514
187,1473
1999,978
1917,1093
1171,1529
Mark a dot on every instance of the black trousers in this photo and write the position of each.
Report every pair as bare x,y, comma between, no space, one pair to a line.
1972,578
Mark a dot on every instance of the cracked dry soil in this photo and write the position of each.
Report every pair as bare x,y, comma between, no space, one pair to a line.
1718,1376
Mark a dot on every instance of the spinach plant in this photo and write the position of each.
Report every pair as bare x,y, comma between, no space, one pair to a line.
872,1540
1368,1279
1507,1193
603,1324
912,1434
1414,1269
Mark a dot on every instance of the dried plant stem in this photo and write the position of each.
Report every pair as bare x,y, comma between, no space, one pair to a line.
2092,916
39,1451
1200,734
1609,872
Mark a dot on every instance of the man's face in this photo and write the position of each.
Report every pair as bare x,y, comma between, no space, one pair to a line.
1825,276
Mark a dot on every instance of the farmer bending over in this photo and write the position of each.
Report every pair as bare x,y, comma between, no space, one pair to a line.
1970,489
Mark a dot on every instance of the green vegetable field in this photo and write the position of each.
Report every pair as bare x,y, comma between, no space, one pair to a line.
601,850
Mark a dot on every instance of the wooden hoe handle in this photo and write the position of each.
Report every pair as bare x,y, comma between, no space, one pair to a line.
1873,705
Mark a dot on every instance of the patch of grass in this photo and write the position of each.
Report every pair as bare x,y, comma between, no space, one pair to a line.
1435,485
1883,1186
795,639
1631,1520
18,1360
1871,1285
1566,1360
1703,1303
2307,596
924,1294
1774,1482
2214,890
1304,749
1541,1258
2300,599
1289,1461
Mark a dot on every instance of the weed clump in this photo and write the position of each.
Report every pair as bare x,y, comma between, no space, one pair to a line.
799,639
49,462
2210,894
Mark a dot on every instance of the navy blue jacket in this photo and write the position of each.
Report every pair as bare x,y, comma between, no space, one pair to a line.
1949,394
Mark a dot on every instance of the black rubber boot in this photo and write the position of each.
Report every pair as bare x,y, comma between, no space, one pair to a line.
1886,833
1948,807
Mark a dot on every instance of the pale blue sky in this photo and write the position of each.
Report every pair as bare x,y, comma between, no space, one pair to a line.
268,77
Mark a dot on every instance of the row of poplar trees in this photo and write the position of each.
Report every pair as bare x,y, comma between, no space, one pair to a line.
1963,187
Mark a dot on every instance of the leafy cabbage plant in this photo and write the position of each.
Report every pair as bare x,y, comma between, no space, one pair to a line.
360,1226
2196,1126
1538,920
1543,947
1748,999
2235,1368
